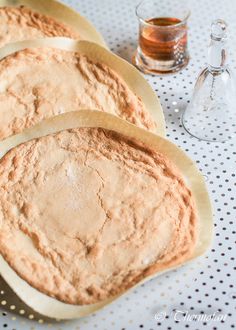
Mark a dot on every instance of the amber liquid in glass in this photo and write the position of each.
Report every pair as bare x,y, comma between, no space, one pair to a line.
164,44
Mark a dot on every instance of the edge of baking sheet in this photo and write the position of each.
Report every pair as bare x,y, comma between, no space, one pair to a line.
53,308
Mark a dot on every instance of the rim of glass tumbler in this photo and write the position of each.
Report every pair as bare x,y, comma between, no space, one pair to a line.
183,21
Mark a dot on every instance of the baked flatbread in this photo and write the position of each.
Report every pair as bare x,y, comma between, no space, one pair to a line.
87,213
40,83
21,23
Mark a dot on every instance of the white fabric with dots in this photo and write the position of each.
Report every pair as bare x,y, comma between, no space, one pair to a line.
206,286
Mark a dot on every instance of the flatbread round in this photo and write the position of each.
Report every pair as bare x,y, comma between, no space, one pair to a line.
87,213
21,23
39,83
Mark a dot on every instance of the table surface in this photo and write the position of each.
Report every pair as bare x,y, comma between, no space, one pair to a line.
207,285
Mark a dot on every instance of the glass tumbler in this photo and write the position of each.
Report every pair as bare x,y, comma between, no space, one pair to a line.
163,36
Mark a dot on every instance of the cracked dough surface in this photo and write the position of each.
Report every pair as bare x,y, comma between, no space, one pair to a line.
20,23
39,83
86,214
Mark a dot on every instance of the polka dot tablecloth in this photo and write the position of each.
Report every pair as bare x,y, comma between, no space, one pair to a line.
201,295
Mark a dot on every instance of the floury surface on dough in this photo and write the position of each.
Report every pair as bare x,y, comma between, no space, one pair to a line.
21,23
87,213
40,83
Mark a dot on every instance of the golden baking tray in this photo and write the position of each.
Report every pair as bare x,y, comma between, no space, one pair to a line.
63,14
53,308
134,79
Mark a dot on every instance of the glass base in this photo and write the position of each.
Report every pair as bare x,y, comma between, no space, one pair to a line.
208,130
150,66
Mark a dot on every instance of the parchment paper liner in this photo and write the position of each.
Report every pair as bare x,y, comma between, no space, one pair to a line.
63,14
52,308
96,53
